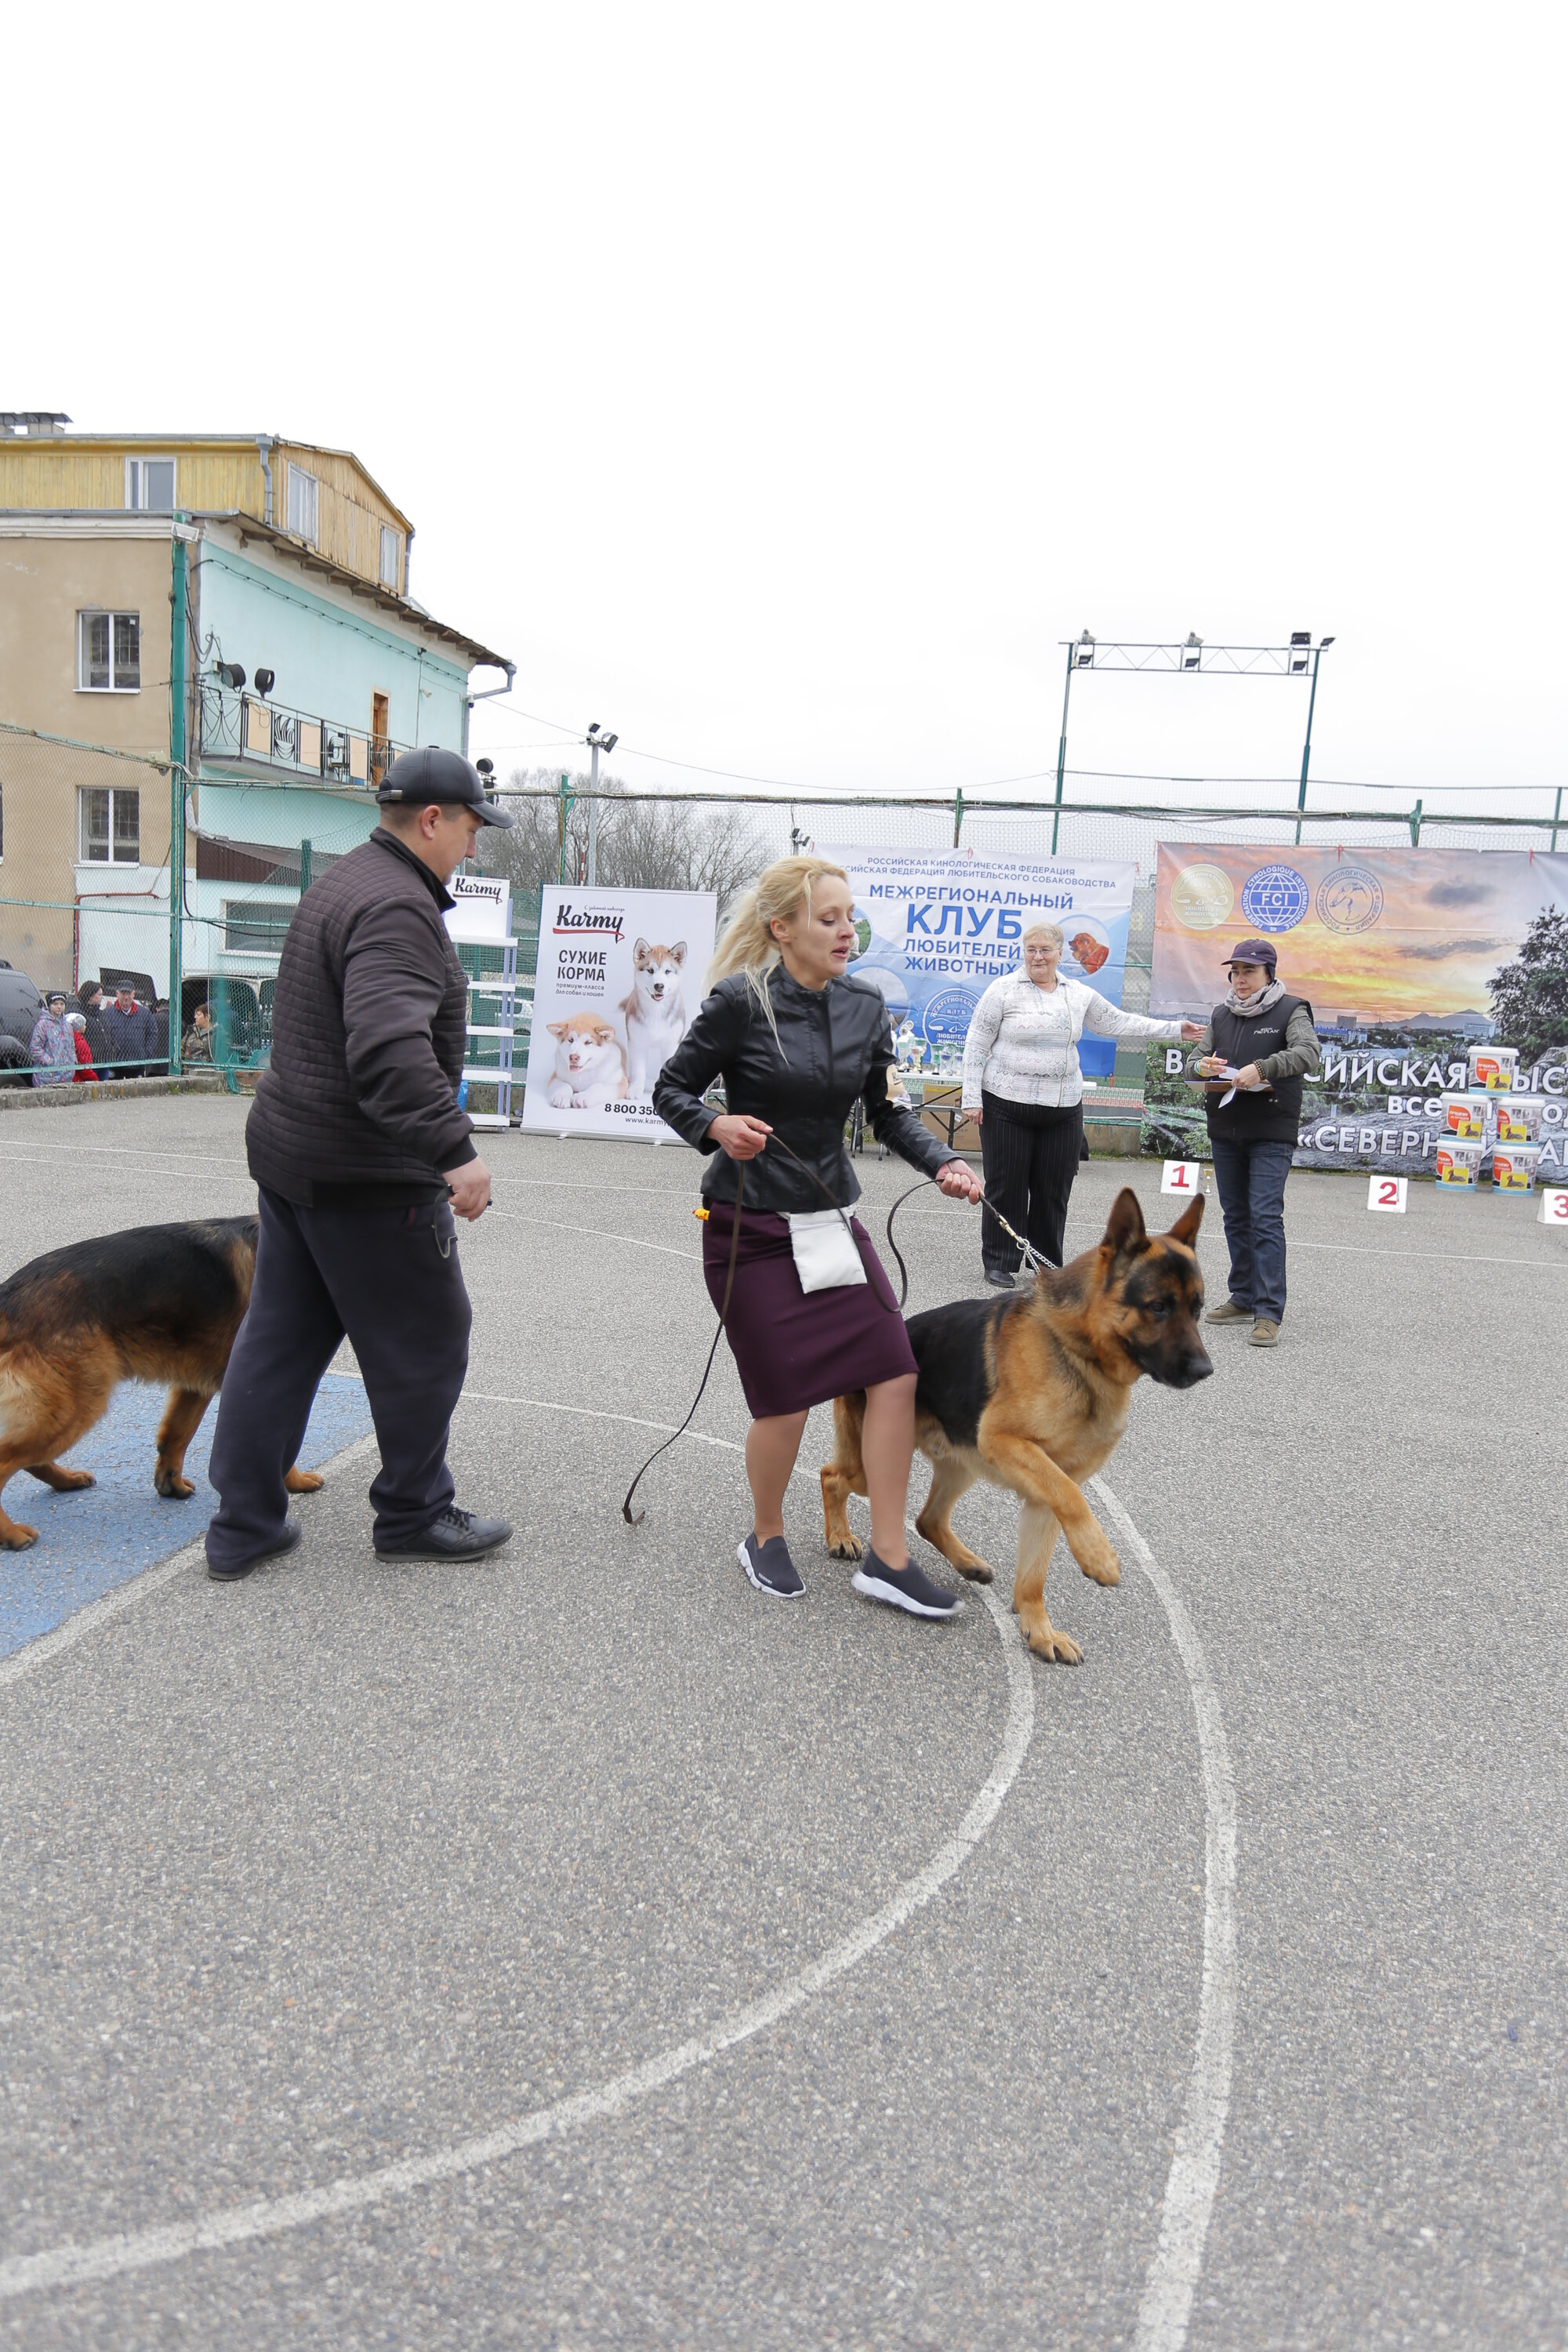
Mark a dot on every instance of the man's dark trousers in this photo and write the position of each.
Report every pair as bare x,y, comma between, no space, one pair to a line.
389,1278
1251,1181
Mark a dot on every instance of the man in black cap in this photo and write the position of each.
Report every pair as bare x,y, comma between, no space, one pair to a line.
1265,1038
362,1159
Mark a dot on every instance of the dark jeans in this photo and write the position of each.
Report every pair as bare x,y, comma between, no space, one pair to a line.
1030,1151
380,1276
1251,1181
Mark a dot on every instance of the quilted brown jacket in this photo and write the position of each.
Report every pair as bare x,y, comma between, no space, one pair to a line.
369,1023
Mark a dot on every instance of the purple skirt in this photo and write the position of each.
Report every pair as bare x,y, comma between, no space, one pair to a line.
794,1349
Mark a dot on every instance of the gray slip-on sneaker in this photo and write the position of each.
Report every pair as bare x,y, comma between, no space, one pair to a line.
771,1569
909,1588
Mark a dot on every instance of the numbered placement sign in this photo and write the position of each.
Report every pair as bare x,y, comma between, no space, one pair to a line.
1183,1176
1387,1192
1553,1209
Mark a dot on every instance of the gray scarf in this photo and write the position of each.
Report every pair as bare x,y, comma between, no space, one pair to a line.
1248,1006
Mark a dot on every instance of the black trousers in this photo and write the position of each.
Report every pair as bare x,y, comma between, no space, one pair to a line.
389,1278
1031,1155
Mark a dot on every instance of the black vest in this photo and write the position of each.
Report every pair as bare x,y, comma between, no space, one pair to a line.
1263,1117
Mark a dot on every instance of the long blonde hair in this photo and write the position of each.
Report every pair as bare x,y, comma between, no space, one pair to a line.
748,944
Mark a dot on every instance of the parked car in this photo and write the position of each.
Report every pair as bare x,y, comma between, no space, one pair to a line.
20,1005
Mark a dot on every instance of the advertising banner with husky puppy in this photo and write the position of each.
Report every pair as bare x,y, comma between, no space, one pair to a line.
620,974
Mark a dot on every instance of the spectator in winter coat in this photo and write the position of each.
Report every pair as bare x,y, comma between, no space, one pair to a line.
85,1073
54,1055
129,1033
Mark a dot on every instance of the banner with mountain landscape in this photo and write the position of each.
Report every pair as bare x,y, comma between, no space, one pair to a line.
1408,957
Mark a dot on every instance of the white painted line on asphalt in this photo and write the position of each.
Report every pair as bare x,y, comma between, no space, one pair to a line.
267,2217
597,1234
1428,1257
98,1614
1193,2178
588,1412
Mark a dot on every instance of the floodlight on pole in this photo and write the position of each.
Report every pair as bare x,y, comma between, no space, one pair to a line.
597,741
1194,657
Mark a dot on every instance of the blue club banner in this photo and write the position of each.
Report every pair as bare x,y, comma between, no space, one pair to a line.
935,928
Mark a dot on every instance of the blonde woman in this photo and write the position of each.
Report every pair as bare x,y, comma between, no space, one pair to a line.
1024,1089
795,1042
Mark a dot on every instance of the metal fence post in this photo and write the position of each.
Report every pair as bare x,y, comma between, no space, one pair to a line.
177,779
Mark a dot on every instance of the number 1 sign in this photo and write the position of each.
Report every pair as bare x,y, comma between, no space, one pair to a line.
1183,1176
1388,1192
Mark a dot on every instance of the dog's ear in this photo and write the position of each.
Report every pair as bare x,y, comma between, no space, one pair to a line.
1126,1234
678,952
1185,1228
558,1028
639,954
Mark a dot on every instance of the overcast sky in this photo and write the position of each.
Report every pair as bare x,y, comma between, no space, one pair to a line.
780,386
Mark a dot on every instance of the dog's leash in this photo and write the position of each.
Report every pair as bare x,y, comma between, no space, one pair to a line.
1031,1259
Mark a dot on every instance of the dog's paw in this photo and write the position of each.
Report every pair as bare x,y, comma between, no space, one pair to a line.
978,1570
846,1546
1045,1640
303,1482
19,1537
173,1488
1100,1563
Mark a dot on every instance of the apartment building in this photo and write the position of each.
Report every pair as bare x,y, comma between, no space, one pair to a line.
236,609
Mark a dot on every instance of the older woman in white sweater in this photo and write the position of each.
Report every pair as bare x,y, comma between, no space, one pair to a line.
1024,1089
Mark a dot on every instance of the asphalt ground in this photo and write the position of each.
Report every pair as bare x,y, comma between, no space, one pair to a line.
581,1949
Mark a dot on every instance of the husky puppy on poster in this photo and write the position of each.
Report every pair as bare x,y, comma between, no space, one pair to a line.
656,1019
590,1064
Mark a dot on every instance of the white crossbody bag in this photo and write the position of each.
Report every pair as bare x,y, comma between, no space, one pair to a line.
826,1257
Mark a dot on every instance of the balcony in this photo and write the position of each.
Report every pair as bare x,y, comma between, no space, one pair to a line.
266,741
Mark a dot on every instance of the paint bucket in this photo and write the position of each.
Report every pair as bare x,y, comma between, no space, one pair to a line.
1514,1166
1458,1164
1465,1115
1493,1067
1518,1118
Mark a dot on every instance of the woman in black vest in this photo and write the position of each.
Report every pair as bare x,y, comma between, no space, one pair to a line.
1266,1038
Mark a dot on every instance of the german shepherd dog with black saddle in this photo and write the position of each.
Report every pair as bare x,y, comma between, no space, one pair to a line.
1031,1392
161,1303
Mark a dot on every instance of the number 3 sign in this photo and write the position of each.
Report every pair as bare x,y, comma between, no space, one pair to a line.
1388,1192
1554,1209
1183,1176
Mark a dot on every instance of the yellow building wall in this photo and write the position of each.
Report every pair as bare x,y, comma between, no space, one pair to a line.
44,583
213,477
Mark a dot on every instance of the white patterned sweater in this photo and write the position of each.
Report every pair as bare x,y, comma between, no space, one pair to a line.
1022,1040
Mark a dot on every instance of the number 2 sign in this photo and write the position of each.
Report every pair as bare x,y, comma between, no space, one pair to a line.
1387,1192
1183,1176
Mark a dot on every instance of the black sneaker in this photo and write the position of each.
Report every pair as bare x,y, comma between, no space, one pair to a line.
999,1281
230,1573
456,1535
771,1569
905,1588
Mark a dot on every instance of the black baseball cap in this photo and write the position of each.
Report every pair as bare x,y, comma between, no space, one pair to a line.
1252,952
431,775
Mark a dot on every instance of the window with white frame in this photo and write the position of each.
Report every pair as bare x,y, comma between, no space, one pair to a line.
108,652
109,821
255,927
150,485
391,549
303,501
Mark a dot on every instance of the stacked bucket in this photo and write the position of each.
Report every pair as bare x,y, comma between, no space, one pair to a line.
1490,1117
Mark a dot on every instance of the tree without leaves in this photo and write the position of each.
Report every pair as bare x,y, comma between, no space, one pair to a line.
653,845
1530,998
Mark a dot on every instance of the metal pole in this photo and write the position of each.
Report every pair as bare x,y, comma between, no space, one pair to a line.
1556,816
594,817
1307,745
561,832
177,739
1062,754
957,815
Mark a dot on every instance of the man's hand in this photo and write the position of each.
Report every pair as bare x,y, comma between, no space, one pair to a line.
470,1187
959,1180
740,1138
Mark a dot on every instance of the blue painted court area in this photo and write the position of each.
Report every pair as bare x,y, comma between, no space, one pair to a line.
91,1541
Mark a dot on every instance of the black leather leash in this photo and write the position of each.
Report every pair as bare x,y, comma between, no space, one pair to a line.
1031,1257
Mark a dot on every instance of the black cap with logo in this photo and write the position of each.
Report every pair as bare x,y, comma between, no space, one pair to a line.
417,777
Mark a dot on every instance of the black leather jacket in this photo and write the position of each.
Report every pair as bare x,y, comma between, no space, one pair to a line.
834,1042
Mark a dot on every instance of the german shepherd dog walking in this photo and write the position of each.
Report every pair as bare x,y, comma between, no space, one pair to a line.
161,1303
1031,1392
